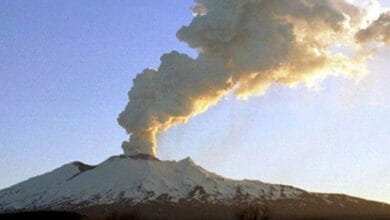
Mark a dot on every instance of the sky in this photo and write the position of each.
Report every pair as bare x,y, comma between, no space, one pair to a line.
66,68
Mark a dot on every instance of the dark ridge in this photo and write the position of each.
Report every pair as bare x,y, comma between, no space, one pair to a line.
196,189
285,209
82,168
136,157
42,215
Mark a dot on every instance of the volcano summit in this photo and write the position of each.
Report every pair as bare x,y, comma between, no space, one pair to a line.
173,190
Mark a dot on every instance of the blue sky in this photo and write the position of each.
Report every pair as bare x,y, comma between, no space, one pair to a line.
66,68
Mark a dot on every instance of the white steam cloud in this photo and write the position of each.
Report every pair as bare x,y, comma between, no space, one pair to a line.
244,47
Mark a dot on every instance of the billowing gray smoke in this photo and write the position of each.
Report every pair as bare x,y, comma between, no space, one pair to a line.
244,47
379,30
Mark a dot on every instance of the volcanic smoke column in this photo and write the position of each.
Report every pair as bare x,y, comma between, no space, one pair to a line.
244,47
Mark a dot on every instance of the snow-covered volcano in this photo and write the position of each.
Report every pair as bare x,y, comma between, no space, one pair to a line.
141,179
138,178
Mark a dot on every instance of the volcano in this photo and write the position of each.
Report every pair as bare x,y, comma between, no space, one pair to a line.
173,190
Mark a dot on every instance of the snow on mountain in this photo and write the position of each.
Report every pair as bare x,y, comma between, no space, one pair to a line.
137,179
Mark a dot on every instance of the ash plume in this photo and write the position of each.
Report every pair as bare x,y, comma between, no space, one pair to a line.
244,47
377,31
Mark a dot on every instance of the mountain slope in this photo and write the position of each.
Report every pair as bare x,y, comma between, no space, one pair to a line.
142,180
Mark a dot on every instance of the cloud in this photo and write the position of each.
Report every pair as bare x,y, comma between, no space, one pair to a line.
377,31
244,46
